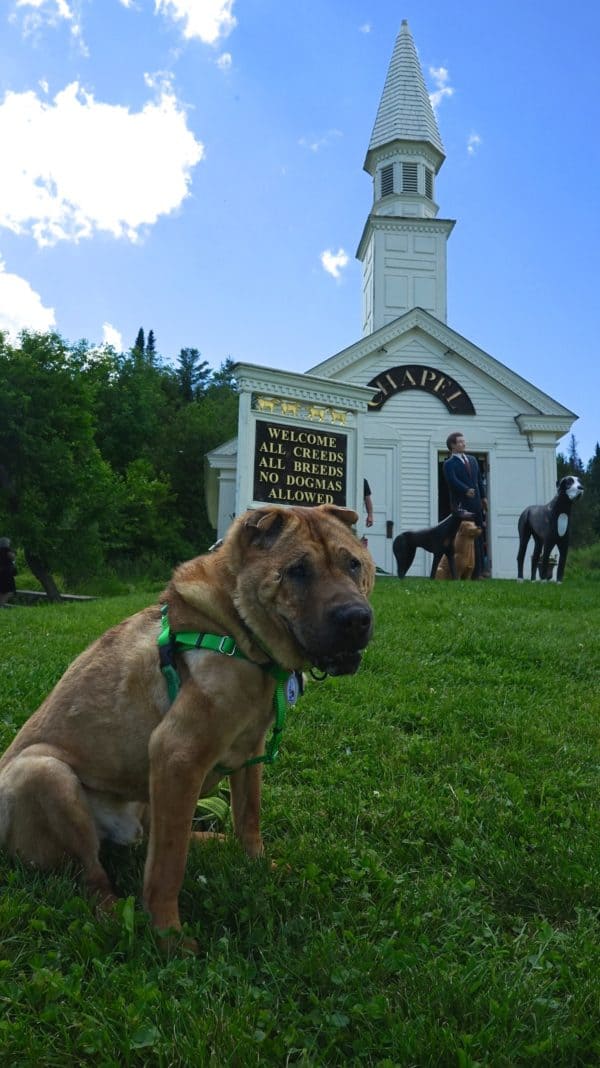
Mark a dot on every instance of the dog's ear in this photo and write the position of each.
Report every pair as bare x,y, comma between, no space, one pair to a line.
263,526
345,515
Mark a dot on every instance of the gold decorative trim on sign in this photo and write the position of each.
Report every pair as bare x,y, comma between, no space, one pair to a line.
313,413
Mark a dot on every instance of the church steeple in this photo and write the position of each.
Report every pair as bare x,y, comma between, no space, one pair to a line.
404,264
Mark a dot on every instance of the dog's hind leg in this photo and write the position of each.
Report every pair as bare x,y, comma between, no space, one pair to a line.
524,535
47,820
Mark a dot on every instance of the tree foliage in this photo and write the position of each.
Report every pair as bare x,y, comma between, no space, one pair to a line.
102,454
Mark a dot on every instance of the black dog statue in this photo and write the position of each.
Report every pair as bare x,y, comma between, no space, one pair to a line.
437,540
549,526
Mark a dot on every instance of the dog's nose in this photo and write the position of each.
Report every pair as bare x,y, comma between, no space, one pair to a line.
353,620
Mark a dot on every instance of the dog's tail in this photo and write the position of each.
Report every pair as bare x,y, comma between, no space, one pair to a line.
404,551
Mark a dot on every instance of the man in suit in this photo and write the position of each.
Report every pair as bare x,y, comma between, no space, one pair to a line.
466,489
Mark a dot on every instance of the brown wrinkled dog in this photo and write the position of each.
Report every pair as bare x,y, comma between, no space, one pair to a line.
464,552
290,585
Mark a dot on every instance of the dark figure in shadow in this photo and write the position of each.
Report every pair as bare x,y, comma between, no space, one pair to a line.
7,572
437,540
549,526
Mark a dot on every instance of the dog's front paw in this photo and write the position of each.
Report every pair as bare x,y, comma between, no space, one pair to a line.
174,943
253,846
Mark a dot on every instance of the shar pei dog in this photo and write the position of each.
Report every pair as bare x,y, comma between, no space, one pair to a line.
150,717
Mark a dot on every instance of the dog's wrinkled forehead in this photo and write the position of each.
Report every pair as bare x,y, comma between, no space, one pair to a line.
280,534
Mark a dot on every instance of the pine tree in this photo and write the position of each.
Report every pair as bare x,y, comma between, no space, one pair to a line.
151,347
593,490
138,348
192,374
575,461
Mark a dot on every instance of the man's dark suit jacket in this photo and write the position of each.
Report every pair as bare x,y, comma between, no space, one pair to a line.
461,478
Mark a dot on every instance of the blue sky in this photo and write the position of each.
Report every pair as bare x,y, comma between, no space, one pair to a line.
195,167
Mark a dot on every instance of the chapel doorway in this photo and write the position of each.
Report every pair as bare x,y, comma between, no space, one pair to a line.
381,472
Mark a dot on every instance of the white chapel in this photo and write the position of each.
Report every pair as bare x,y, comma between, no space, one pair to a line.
420,378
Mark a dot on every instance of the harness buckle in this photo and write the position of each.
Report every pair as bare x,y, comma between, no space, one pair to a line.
225,648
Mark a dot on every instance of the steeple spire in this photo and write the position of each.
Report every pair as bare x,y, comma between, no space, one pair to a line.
405,112
403,246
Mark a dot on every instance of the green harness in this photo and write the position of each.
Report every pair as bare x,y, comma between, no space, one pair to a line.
170,643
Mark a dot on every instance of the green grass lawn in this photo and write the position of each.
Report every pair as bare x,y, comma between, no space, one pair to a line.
434,820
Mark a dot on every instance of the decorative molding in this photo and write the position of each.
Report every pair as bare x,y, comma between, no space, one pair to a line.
303,388
402,224
311,413
393,149
531,424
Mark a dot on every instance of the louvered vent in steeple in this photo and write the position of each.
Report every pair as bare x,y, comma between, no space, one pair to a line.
410,178
387,180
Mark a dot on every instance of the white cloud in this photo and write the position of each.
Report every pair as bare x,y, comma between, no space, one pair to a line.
315,144
224,61
366,27
440,77
473,143
51,9
21,307
334,262
208,20
74,165
112,336
37,14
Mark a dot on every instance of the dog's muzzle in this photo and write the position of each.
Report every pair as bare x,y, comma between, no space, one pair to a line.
349,628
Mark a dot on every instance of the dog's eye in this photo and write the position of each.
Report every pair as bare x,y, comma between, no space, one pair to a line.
298,572
355,566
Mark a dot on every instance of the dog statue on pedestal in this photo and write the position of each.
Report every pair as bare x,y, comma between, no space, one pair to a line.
549,525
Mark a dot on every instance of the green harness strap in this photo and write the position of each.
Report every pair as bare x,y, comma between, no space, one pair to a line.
170,643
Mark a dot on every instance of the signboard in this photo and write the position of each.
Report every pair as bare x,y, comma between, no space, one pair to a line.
416,376
299,464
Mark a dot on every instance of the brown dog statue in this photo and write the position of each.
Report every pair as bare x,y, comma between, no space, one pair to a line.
464,552
113,748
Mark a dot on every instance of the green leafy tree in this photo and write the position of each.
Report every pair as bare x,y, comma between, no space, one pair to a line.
146,521
224,376
592,490
133,403
196,429
56,490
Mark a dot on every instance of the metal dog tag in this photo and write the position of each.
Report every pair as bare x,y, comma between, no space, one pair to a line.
294,687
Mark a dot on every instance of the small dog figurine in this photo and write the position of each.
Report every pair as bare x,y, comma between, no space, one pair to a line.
464,552
549,526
